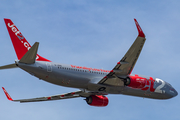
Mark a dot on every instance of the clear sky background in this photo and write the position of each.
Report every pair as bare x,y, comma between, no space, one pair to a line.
97,34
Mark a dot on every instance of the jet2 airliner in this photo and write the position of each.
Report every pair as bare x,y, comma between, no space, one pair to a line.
93,84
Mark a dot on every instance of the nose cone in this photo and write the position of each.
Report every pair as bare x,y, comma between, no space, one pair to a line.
175,93
172,92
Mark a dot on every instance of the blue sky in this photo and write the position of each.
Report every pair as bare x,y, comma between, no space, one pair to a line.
95,34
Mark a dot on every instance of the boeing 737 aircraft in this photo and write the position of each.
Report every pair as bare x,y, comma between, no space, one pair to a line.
93,84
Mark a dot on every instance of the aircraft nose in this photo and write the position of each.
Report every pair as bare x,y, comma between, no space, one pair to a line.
172,92
176,93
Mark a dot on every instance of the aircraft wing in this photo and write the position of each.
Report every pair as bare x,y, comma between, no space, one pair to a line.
124,67
54,97
48,98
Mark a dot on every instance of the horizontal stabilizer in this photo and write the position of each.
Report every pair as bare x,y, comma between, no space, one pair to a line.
30,56
8,66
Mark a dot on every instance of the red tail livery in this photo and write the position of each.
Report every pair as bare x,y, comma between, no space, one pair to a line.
20,43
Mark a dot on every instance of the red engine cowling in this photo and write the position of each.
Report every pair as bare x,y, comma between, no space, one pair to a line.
97,100
137,82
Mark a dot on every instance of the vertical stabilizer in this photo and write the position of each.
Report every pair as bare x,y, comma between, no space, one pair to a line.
20,44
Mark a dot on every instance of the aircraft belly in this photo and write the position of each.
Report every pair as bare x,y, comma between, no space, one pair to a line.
63,79
67,80
125,91
142,93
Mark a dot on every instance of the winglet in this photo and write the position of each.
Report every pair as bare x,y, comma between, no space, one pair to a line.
141,34
7,95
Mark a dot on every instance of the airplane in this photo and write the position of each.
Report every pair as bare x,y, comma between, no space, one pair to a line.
93,84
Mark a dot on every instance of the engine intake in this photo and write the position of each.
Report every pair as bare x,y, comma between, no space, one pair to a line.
135,82
97,100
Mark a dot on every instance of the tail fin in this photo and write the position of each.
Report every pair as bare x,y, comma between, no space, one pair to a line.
20,44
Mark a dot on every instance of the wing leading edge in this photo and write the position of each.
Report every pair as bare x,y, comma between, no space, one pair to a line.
125,66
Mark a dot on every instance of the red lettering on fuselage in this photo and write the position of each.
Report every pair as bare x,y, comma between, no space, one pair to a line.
152,84
142,83
89,69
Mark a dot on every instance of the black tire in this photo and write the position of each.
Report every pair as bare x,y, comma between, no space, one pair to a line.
89,100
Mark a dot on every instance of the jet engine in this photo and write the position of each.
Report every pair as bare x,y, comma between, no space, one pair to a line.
97,100
135,82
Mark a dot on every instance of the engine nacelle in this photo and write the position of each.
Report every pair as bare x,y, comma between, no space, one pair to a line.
97,100
136,82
